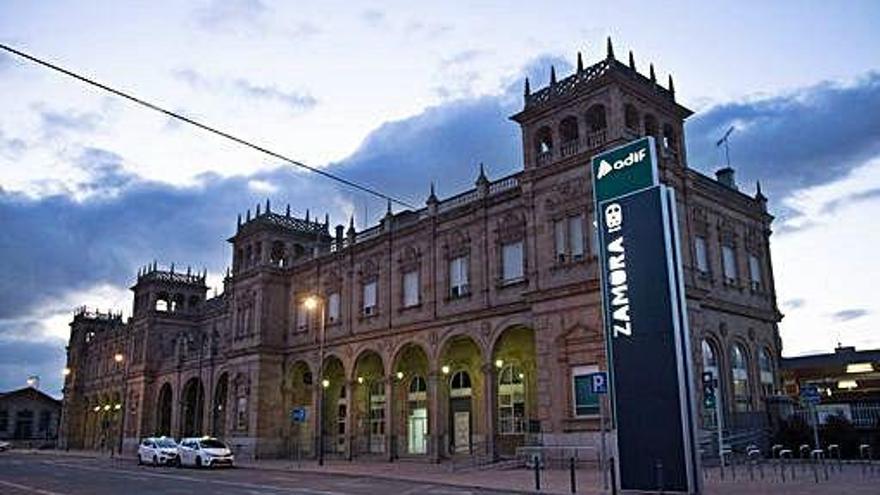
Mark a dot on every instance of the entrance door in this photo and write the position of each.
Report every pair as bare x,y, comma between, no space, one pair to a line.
462,432
417,429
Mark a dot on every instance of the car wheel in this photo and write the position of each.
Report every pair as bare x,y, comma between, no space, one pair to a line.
198,462
155,461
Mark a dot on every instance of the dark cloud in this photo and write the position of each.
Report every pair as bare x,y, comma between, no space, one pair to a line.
849,314
793,141
293,100
230,15
831,207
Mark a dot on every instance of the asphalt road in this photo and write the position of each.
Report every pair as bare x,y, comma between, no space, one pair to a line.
29,474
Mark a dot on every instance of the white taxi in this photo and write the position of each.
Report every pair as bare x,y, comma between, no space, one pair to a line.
204,452
157,450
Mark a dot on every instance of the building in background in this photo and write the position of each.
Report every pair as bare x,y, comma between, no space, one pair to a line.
848,382
29,418
465,327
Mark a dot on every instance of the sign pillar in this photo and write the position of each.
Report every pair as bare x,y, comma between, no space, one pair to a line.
645,319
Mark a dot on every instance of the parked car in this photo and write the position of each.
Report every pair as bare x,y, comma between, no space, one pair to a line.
204,452
158,451
4,446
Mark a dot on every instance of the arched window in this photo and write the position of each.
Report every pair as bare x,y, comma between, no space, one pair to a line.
765,367
669,140
544,144
739,371
278,254
568,136
511,400
710,359
417,420
163,302
595,117
631,116
460,384
417,387
652,128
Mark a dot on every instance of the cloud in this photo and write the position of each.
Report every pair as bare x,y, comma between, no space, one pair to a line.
794,303
849,314
373,17
796,140
832,206
293,100
54,123
11,148
231,15
5,61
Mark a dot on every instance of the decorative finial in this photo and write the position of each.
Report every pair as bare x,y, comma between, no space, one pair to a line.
552,75
671,86
287,213
528,89
632,61
248,218
759,195
268,209
326,219
307,215
258,209
610,49
188,270
653,75
580,62
172,267
239,221
388,207
432,198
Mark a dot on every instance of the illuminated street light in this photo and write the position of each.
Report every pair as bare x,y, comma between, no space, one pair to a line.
96,408
311,303
325,383
360,379
118,357
499,363
117,406
106,407
400,375
847,384
445,369
65,371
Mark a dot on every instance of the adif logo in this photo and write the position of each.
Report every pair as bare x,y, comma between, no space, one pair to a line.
635,157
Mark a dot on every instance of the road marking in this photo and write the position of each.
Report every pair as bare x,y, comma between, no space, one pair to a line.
127,473
28,488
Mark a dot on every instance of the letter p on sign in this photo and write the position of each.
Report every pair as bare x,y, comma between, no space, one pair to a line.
599,383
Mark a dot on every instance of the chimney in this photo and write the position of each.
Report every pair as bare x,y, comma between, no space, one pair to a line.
725,177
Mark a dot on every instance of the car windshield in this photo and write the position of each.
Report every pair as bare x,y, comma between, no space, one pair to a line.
212,444
166,443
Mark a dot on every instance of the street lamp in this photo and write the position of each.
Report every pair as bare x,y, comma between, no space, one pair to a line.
315,303
119,358
65,371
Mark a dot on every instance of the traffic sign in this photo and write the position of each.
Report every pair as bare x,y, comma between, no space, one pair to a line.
810,394
298,415
599,383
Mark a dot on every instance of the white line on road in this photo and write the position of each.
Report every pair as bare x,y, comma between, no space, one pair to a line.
28,488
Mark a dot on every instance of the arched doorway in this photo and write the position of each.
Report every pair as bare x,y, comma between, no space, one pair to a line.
163,411
369,403
302,386
461,361
193,404
410,425
219,408
513,359
334,414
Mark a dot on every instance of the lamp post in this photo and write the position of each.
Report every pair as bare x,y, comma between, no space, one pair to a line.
313,303
119,358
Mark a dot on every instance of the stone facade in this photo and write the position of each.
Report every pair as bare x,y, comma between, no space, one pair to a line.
455,329
29,418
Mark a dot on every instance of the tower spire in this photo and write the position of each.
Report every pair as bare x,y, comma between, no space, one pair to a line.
632,61
653,75
552,75
580,62
609,49
671,86
528,89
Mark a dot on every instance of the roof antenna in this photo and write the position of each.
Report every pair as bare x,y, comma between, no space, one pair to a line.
725,141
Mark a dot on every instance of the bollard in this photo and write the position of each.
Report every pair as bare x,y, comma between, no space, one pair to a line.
659,475
613,477
572,478
537,474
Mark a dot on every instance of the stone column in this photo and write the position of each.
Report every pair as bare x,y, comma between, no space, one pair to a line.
350,418
436,423
390,443
317,414
490,406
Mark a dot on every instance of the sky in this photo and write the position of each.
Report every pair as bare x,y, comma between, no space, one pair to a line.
396,95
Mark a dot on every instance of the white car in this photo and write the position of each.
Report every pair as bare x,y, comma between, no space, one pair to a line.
204,452
5,446
157,450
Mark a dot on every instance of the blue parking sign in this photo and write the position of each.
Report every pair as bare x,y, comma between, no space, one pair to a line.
298,415
599,383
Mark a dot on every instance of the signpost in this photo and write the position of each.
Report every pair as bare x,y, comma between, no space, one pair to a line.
599,386
645,322
811,397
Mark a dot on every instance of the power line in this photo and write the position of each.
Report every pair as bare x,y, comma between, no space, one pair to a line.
204,127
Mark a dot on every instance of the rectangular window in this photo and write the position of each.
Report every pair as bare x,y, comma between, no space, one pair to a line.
561,245
512,261
576,236
333,307
458,277
754,271
728,257
702,259
411,288
586,403
302,317
369,298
